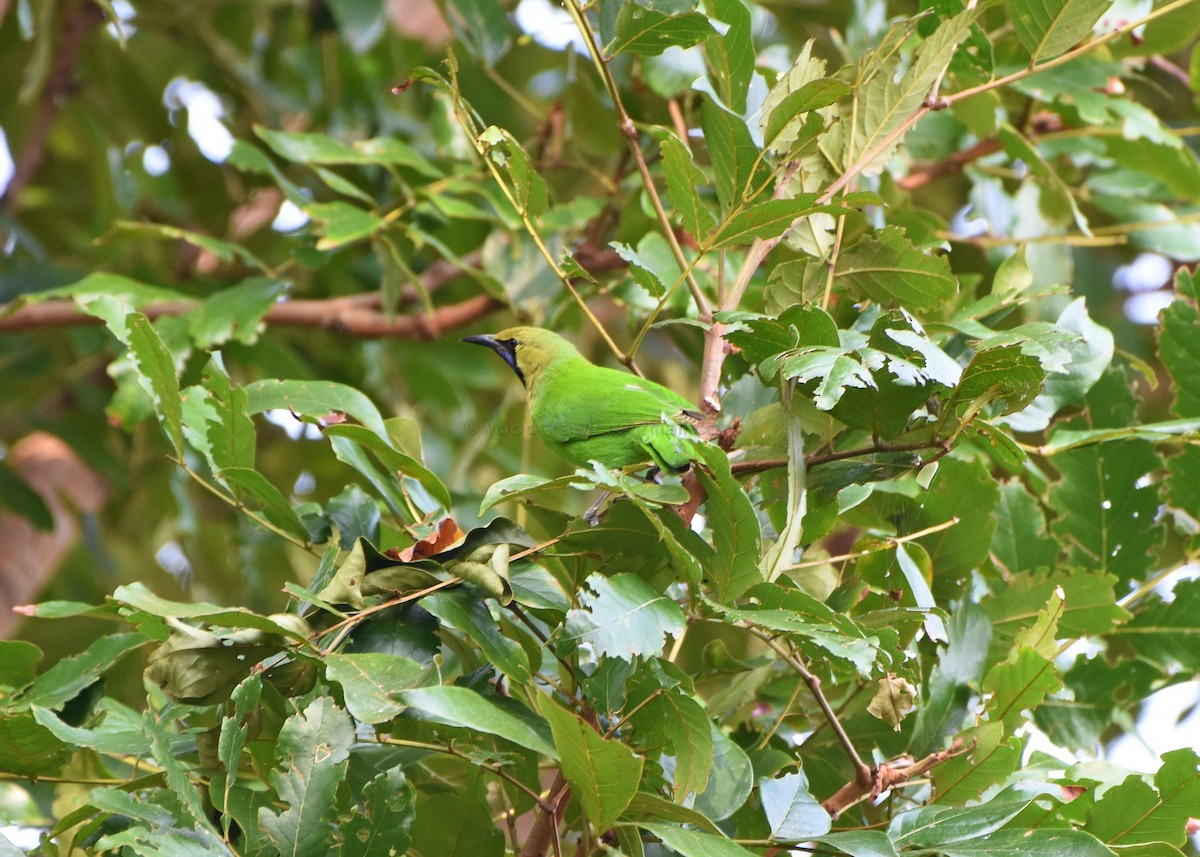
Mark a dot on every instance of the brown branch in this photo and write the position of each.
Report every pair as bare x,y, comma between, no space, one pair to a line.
888,775
345,314
545,829
59,84
952,163
741,468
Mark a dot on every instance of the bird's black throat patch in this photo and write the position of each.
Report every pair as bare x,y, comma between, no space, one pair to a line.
506,348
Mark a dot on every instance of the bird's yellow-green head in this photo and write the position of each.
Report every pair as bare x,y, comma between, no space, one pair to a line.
530,351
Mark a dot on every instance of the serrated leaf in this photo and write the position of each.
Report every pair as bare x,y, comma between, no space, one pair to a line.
735,527
234,735
622,617
888,268
528,188
811,96
27,748
603,774
1134,812
738,171
1048,28
643,31
64,681
731,54
683,180
155,366
1166,632
767,219
120,732
312,753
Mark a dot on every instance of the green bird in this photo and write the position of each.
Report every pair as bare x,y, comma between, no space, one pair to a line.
590,413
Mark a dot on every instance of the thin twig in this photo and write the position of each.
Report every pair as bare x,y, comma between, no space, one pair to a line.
862,771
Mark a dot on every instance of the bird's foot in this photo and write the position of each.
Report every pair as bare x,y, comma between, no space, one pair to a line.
592,515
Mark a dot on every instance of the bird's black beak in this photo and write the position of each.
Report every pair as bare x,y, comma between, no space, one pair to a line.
506,348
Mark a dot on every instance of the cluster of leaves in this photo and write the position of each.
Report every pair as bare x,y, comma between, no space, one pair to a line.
939,476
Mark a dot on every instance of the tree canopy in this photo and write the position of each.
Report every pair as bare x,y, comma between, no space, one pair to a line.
293,574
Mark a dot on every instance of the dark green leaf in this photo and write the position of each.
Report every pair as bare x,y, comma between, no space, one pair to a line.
312,753
683,181
888,268
380,827
460,706
1048,28
369,681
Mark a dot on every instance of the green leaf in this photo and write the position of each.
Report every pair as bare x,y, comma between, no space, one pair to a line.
1134,812
1000,374
465,612
395,461
645,32
861,843
1030,843
18,664
27,748
735,527
792,812
343,223
310,148
1089,355
483,27
136,597
739,172
1107,496
316,399
312,754
651,808
355,515
695,843
17,495
181,786
67,678
888,268
528,188
683,180
384,815
1090,605
810,622
811,96
216,422
1020,542
370,680
622,617
451,824
730,781
460,706
882,105
731,54
966,491
120,732
767,219
603,774
935,827
1048,28
235,728
993,757
155,366
1166,632
249,483
234,313
1180,353
667,721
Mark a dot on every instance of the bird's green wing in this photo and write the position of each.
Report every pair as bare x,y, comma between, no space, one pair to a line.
598,404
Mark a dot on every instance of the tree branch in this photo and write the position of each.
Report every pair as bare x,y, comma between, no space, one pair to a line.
344,314
890,775
75,27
